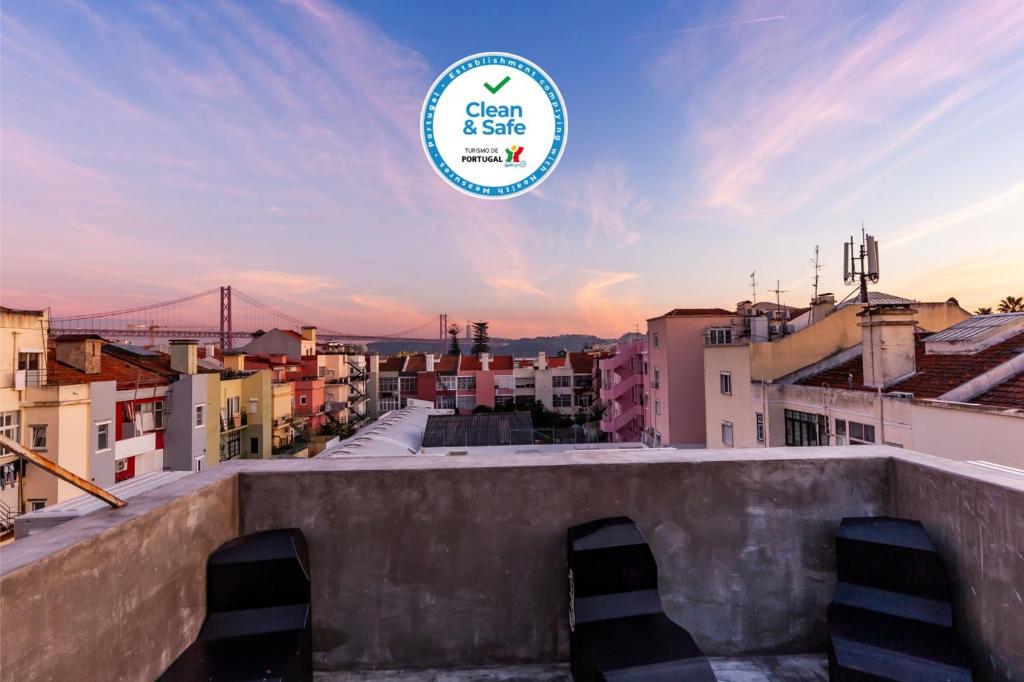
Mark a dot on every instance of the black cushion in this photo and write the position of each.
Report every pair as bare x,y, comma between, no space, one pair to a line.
618,628
270,568
890,617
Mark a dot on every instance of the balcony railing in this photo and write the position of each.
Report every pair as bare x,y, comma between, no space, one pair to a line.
233,421
29,378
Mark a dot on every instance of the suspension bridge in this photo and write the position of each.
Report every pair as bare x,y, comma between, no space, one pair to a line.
222,313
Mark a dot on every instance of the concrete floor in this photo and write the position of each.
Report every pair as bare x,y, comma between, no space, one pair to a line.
807,668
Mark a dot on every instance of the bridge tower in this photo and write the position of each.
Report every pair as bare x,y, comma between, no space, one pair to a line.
442,322
227,338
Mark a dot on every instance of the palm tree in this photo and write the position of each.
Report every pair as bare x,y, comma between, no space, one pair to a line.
1012,304
983,311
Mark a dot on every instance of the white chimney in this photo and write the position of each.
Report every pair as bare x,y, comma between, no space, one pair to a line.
184,358
374,364
485,362
430,362
542,360
887,344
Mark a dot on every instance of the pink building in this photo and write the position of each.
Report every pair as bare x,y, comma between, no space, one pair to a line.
675,350
622,391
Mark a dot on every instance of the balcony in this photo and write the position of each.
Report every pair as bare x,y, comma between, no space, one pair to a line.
233,422
744,541
613,423
29,378
619,389
131,447
310,410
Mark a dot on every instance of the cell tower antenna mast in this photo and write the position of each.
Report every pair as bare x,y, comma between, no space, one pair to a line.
778,291
753,286
860,262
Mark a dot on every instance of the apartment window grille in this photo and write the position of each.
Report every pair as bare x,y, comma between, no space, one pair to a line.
561,400
466,383
9,427
407,384
725,382
103,436
759,425
854,433
805,428
727,434
719,336
38,437
232,446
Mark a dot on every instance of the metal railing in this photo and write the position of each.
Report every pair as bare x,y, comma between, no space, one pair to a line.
7,516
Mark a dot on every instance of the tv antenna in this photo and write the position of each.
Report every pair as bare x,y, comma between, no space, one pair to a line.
753,286
778,291
816,262
860,262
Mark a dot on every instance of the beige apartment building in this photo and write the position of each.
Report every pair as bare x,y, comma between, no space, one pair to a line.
924,376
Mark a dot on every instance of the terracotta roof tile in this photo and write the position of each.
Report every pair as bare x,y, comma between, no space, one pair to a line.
556,362
1010,393
112,368
501,362
936,374
416,364
447,363
695,312
470,363
394,364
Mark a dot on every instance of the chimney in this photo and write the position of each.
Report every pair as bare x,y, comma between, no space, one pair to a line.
887,334
234,361
309,334
211,351
374,364
430,362
81,351
822,305
184,356
485,362
542,360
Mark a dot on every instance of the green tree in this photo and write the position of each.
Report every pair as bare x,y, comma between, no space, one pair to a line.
453,335
1012,304
983,311
481,338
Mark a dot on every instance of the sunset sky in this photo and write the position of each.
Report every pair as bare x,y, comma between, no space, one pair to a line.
155,150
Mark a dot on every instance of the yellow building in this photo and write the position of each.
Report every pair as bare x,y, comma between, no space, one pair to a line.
244,406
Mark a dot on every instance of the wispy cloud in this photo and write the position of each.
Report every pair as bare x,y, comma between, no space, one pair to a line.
708,27
1008,198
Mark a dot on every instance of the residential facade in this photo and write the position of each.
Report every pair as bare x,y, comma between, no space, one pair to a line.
623,385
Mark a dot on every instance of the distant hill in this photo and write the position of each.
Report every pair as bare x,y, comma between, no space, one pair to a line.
521,348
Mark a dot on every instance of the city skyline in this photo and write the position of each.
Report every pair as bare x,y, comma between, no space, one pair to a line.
150,153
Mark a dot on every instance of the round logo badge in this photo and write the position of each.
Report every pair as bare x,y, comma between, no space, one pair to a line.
494,125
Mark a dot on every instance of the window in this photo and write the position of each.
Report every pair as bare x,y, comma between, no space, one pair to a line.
657,407
654,339
302,400
465,402
38,437
447,382
9,427
407,384
504,400
35,505
727,434
561,400
254,446
330,374
524,382
725,382
231,446
505,381
719,336
152,415
388,384
103,436
254,406
445,402
200,415
29,360
466,383
388,404
804,428
582,381
561,382
585,400
656,381
234,405
321,371
759,426
197,464
854,433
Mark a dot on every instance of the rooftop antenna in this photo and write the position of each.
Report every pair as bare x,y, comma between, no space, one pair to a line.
753,286
860,262
778,291
816,262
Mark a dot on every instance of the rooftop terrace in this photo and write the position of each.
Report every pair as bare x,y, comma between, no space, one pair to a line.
459,562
